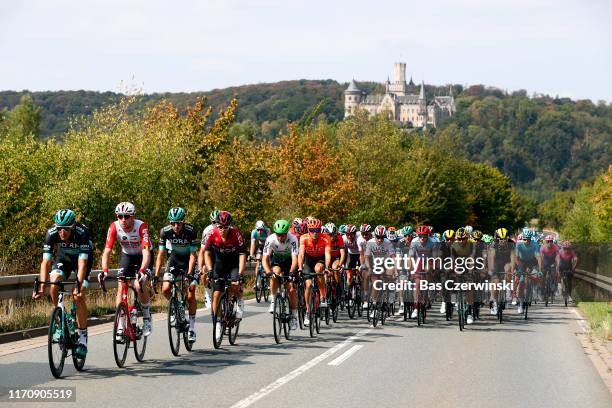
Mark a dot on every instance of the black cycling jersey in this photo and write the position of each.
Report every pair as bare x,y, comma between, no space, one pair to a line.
179,246
502,254
78,246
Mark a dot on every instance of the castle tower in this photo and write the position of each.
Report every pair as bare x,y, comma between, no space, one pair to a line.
398,86
422,106
352,97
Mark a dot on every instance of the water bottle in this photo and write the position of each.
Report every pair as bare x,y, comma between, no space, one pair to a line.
70,317
133,316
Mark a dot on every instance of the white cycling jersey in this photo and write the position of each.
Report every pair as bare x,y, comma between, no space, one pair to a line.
206,233
383,250
281,250
351,246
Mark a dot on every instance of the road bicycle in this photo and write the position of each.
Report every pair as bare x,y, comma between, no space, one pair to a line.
178,323
314,304
262,284
62,335
549,285
128,326
352,297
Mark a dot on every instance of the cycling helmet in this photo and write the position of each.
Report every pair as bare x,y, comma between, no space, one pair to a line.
487,239
468,229
64,218
224,219
423,230
392,229
125,208
549,238
461,233
259,225
281,226
176,214
408,230
342,229
520,237
331,228
566,244
324,230
350,229
477,234
314,223
431,229
527,234
213,216
501,233
526,230
380,231
391,235
448,234
437,236
365,228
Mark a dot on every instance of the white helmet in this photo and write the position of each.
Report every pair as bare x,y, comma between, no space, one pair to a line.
125,208
469,229
260,225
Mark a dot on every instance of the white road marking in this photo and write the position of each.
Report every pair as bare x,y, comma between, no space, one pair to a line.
293,374
345,356
580,321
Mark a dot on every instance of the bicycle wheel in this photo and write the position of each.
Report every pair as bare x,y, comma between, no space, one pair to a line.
258,287
286,316
186,342
565,291
301,307
384,309
358,301
527,301
318,311
312,314
350,301
232,331
277,323
78,362
174,324
120,348
335,310
266,288
461,310
219,317
140,342
57,347
375,315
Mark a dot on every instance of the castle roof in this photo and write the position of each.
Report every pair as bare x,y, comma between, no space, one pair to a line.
352,87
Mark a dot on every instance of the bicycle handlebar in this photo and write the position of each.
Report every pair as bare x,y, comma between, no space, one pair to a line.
38,282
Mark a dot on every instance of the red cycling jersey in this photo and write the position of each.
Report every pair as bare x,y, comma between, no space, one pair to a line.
549,253
233,246
315,249
132,242
337,243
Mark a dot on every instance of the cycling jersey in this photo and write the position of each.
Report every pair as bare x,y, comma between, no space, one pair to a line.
351,246
67,254
384,249
337,243
281,250
503,254
179,246
466,250
259,237
77,247
426,249
131,242
228,250
565,259
549,254
206,233
315,249
527,253
296,234
362,243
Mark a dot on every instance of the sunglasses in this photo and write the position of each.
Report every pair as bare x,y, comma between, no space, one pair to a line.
175,223
223,227
314,230
64,228
124,216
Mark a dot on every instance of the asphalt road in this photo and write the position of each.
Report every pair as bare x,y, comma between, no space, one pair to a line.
538,363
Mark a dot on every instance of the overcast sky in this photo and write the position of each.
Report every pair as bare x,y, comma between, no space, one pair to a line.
556,47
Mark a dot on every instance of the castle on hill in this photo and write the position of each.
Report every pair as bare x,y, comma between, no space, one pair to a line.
412,110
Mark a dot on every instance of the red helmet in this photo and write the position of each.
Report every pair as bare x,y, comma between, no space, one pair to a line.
350,229
365,228
380,231
224,219
314,223
423,230
549,238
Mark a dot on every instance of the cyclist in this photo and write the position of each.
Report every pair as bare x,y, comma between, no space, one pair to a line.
448,237
501,262
548,253
480,272
464,250
338,252
402,249
379,247
297,228
133,237
201,261
422,252
527,257
225,257
179,240
280,256
566,264
352,248
365,234
258,238
314,257
73,252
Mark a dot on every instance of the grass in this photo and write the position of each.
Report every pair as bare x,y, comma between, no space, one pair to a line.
21,314
599,316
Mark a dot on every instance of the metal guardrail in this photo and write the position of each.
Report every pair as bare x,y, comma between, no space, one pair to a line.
22,286
601,281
